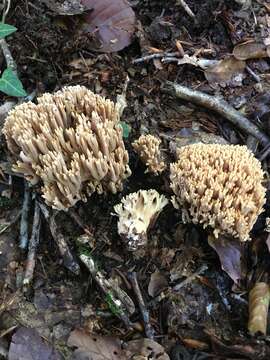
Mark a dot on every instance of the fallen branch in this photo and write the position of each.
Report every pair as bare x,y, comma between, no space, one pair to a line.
3,44
218,105
33,245
8,57
115,302
149,331
158,55
74,215
186,8
6,6
68,259
25,217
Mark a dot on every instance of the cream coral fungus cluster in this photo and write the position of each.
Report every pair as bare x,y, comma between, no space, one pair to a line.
147,147
219,186
71,140
137,212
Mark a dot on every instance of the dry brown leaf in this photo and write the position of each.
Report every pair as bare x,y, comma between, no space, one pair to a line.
225,70
95,347
137,349
157,283
112,23
250,50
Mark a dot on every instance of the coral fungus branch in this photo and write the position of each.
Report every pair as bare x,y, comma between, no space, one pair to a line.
217,105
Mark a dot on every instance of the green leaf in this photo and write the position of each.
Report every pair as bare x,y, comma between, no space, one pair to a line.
11,85
6,30
126,129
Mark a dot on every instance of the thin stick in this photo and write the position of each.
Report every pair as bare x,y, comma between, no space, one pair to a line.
186,8
154,56
33,245
74,215
121,100
253,74
217,105
164,294
68,259
108,289
25,217
149,331
7,54
264,153
7,4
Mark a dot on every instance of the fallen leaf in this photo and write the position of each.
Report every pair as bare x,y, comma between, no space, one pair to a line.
225,70
147,348
157,283
6,29
26,344
112,23
95,347
250,50
229,252
11,85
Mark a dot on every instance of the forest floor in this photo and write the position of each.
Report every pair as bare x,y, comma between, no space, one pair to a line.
196,310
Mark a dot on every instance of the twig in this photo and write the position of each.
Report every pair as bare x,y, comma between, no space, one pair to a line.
25,217
73,214
164,294
68,259
5,227
116,304
218,105
149,331
186,8
264,153
7,54
155,56
121,98
33,245
253,74
4,46
6,7
189,279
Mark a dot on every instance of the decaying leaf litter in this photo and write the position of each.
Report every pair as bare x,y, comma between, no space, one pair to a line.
182,76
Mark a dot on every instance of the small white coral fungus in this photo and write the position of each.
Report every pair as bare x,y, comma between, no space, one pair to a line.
219,186
137,212
72,142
